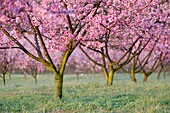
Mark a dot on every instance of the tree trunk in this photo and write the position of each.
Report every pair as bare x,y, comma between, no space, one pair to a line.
35,78
94,71
110,81
145,77
9,75
25,75
58,75
110,78
58,85
133,77
3,78
133,71
158,77
77,76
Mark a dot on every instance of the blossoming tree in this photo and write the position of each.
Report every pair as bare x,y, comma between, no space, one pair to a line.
45,25
126,26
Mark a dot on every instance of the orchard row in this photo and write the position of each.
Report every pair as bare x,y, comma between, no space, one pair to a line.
112,35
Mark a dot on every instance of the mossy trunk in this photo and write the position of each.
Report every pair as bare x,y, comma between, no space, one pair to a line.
110,81
108,75
110,78
58,75
58,86
133,71
133,77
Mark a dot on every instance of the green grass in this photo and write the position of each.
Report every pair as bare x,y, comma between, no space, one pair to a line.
88,95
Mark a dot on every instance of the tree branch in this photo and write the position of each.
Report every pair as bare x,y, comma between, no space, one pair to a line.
91,59
45,49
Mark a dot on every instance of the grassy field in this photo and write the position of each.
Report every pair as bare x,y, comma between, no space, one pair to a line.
87,95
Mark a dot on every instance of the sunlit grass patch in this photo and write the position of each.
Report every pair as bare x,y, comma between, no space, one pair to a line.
88,95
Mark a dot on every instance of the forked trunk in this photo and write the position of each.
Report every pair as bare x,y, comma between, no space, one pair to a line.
58,75
58,86
34,75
